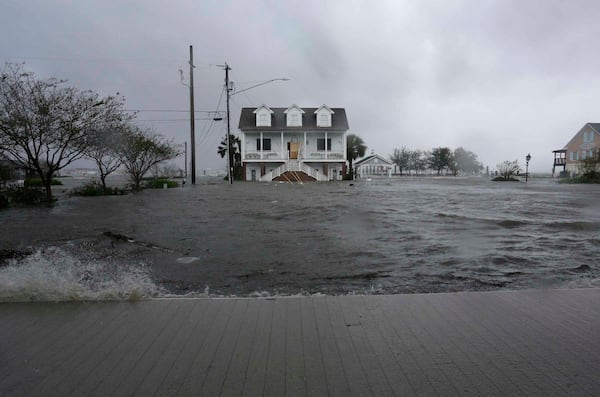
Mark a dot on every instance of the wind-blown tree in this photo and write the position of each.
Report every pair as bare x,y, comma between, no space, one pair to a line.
139,150
466,161
44,124
103,148
417,161
441,159
401,157
508,170
355,148
235,154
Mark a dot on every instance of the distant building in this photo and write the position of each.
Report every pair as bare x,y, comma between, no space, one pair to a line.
293,143
373,165
584,144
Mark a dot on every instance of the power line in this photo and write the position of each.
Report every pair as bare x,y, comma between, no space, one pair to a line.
170,111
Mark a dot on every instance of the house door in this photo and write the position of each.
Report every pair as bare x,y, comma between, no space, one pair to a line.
294,150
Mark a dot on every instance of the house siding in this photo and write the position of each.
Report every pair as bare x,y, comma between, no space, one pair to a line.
582,145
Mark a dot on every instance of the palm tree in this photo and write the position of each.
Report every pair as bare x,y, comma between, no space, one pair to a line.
235,158
355,148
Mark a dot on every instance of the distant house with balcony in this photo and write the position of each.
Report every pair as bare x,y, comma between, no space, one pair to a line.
584,144
293,144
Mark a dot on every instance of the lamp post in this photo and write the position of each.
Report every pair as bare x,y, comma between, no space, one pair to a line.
228,89
527,158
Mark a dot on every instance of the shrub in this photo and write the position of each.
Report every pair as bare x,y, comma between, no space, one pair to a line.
25,195
37,182
96,189
158,183
3,200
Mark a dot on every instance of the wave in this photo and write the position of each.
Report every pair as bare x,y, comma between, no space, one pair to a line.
53,274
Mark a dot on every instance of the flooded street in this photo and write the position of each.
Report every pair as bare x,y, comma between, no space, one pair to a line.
400,235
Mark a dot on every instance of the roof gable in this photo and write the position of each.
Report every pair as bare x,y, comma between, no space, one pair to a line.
292,108
595,127
371,159
261,107
324,107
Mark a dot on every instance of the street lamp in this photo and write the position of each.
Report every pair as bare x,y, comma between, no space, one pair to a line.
527,158
228,89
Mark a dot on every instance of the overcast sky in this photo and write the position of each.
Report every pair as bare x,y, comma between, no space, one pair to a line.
500,78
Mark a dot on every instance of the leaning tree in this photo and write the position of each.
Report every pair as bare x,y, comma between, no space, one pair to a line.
44,124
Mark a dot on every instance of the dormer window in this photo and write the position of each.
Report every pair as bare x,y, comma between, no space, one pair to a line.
263,116
324,116
293,116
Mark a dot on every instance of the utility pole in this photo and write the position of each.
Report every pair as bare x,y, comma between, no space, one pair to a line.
229,154
192,121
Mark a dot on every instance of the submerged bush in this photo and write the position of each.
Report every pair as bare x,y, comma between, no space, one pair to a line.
37,182
96,189
158,183
24,195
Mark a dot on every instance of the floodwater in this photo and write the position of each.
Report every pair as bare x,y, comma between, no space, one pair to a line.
399,235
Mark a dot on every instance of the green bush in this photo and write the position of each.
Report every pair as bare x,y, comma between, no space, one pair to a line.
96,189
158,184
37,182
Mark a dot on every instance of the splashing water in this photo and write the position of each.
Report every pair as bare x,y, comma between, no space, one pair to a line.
53,274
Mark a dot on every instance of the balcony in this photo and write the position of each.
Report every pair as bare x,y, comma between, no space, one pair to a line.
277,156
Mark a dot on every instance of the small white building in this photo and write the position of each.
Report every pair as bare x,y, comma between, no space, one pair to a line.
373,165
293,143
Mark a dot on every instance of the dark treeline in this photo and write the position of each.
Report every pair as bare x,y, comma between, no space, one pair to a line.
441,160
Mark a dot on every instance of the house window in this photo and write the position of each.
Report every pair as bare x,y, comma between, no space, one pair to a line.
294,119
588,136
321,144
264,120
323,120
266,144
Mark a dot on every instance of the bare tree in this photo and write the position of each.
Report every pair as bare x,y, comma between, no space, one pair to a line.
44,124
103,149
508,169
140,150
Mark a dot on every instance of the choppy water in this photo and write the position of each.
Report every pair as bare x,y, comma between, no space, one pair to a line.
402,235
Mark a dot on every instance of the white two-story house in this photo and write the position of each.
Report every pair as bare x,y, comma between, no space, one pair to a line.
294,143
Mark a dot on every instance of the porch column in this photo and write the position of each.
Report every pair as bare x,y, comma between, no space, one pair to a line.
243,151
304,148
326,148
261,145
282,156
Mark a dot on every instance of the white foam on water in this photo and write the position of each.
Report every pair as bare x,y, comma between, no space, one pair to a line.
583,282
53,274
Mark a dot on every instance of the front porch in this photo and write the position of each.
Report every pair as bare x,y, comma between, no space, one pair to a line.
270,171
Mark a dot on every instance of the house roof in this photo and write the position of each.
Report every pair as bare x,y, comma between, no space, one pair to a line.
593,126
339,121
372,157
